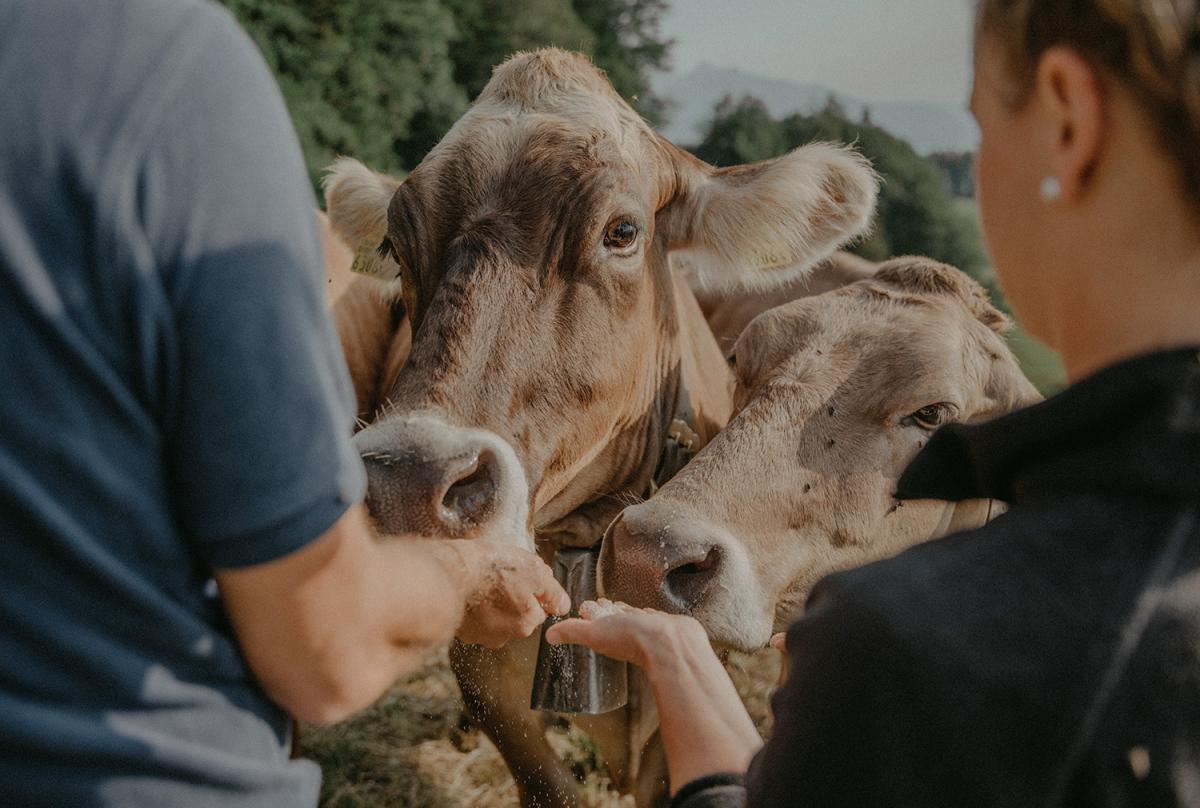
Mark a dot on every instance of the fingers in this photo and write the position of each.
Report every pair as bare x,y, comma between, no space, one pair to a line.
533,617
779,642
553,598
603,607
573,631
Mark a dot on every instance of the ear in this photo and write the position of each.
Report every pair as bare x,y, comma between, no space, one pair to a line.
1071,100
922,275
356,200
764,223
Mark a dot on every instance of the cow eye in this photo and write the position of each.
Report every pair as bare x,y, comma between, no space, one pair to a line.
620,234
930,417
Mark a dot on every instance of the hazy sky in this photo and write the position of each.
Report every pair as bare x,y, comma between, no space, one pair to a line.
868,49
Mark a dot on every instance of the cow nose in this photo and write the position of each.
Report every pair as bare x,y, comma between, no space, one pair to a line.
429,478
655,564
437,496
687,580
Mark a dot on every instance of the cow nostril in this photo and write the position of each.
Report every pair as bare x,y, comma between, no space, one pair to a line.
470,498
696,567
687,583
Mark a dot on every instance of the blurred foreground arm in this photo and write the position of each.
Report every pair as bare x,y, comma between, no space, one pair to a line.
328,628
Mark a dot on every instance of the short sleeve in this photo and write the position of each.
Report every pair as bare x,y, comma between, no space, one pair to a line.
259,408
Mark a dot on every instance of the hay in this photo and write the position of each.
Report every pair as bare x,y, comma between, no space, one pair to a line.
408,750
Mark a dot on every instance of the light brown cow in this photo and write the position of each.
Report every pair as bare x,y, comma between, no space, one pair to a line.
551,339
729,314
835,395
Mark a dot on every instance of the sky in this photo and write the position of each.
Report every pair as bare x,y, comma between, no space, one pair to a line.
866,49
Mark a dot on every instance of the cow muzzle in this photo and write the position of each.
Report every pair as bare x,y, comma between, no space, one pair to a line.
659,556
427,478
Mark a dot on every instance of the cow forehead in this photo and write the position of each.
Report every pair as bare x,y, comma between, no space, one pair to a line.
892,344
487,142
876,319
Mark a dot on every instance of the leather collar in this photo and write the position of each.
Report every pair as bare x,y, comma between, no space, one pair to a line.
682,442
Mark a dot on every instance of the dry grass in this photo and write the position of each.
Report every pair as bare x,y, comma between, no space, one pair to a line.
407,750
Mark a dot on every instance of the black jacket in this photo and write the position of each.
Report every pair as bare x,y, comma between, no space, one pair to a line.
1050,658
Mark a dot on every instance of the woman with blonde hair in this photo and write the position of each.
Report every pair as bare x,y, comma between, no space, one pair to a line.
1051,657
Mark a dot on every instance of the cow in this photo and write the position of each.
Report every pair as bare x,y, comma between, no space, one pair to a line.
835,395
729,314
558,365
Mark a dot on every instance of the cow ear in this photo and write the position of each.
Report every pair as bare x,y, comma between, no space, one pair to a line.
764,223
356,200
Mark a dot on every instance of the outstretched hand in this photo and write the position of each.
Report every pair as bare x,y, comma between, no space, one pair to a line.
704,726
624,632
509,592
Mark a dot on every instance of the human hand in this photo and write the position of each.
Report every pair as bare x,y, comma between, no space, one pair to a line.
509,592
705,729
640,636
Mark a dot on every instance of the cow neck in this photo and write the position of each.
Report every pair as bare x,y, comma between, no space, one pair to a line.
682,442
703,400
696,391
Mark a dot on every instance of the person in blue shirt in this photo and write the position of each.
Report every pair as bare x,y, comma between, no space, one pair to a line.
184,556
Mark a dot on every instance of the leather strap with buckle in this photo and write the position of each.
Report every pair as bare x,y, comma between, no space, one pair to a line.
682,442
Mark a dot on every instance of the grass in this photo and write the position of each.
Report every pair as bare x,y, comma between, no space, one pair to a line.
407,750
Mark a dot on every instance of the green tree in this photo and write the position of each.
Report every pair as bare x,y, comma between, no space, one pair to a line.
368,79
741,131
916,214
383,81
629,45
623,37
489,31
958,172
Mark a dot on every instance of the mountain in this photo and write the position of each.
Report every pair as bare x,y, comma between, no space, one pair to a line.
927,126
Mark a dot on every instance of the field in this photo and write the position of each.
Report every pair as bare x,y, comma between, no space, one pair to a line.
408,750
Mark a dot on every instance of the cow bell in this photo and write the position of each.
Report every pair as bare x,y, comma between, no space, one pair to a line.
572,678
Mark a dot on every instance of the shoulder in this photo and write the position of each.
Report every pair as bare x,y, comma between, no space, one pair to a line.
990,605
106,70
87,29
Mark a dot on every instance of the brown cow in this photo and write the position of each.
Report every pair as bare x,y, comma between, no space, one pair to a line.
835,395
729,314
553,347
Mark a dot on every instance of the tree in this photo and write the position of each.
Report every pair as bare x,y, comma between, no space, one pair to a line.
741,131
628,46
383,81
958,172
368,79
916,214
489,31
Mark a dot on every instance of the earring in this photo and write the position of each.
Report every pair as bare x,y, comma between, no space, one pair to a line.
1051,189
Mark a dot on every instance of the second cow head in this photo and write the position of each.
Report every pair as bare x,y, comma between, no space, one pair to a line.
836,394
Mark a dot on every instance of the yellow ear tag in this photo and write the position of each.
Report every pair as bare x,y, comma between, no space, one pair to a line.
366,259
769,260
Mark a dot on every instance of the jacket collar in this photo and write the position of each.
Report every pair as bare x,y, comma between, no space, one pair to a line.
1131,428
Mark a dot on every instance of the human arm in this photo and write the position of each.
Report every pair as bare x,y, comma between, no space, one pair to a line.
704,726
850,722
328,628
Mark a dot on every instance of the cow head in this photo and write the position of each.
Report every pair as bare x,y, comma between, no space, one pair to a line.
531,249
836,394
